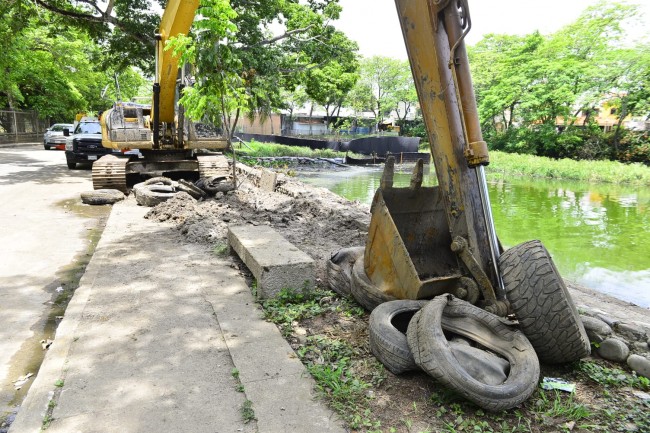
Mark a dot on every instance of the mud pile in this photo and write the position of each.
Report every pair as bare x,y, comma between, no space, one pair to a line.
316,220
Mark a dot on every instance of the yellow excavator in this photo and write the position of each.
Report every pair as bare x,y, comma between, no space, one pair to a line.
422,241
169,143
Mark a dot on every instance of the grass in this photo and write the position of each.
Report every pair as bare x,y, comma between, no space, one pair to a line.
502,164
255,149
511,164
369,399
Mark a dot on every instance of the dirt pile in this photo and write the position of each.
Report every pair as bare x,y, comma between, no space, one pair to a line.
316,220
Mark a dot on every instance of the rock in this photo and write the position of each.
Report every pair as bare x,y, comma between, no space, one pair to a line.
613,349
607,319
639,364
630,332
641,347
596,329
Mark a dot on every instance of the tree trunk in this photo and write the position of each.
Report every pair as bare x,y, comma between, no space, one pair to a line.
621,117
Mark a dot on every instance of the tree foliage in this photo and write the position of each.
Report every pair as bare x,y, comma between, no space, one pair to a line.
246,54
540,94
54,68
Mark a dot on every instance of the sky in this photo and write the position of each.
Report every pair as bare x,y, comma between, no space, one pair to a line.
375,26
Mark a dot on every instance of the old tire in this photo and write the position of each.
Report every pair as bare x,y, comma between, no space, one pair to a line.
102,196
191,189
160,180
71,165
433,353
154,191
363,290
387,330
542,304
339,269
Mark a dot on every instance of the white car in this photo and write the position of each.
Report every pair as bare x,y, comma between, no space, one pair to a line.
54,136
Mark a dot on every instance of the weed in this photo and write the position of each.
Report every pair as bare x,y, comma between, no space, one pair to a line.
47,420
235,374
221,249
59,383
247,412
509,164
561,406
293,305
612,376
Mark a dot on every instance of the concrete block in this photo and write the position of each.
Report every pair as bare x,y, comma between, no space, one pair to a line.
268,180
275,262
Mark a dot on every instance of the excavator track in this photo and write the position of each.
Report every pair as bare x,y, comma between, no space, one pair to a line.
109,172
213,165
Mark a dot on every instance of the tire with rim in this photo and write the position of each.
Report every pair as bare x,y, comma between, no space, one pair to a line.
102,196
542,304
387,331
363,290
433,353
339,269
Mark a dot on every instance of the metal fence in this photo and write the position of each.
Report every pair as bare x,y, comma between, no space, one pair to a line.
21,126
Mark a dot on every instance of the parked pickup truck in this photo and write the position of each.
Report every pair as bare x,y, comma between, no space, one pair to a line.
84,144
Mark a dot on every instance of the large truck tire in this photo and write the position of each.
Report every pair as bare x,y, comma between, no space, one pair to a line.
387,330
102,196
542,304
433,353
339,269
363,290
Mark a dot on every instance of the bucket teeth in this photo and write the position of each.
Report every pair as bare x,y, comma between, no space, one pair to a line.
417,176
389,173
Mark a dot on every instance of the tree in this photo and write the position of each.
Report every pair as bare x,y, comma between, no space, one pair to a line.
380,75
330,84
526,85
406,96
241,67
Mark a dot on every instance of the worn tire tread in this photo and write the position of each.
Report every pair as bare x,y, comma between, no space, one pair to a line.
542,304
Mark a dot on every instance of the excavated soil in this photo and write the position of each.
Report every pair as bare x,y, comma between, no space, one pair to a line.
320,223
317,221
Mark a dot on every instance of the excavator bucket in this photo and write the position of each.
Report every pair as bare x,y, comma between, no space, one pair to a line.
407,252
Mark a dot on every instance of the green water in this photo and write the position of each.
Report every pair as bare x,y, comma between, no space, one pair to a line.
599,235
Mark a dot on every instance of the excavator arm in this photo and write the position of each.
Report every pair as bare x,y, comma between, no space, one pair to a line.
176,20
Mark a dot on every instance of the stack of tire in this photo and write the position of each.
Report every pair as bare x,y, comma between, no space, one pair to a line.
159,189
491,361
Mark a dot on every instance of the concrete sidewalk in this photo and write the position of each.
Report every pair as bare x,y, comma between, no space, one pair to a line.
161,336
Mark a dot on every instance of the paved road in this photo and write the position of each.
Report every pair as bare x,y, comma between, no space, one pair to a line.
46,237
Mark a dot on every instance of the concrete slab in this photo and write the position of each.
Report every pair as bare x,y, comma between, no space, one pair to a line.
275,262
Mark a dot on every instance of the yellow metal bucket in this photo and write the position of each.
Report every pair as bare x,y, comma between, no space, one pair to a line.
407,252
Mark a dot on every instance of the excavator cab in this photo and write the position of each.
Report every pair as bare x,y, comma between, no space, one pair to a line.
170,144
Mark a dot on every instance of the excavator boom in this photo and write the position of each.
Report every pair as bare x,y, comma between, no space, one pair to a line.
176,20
